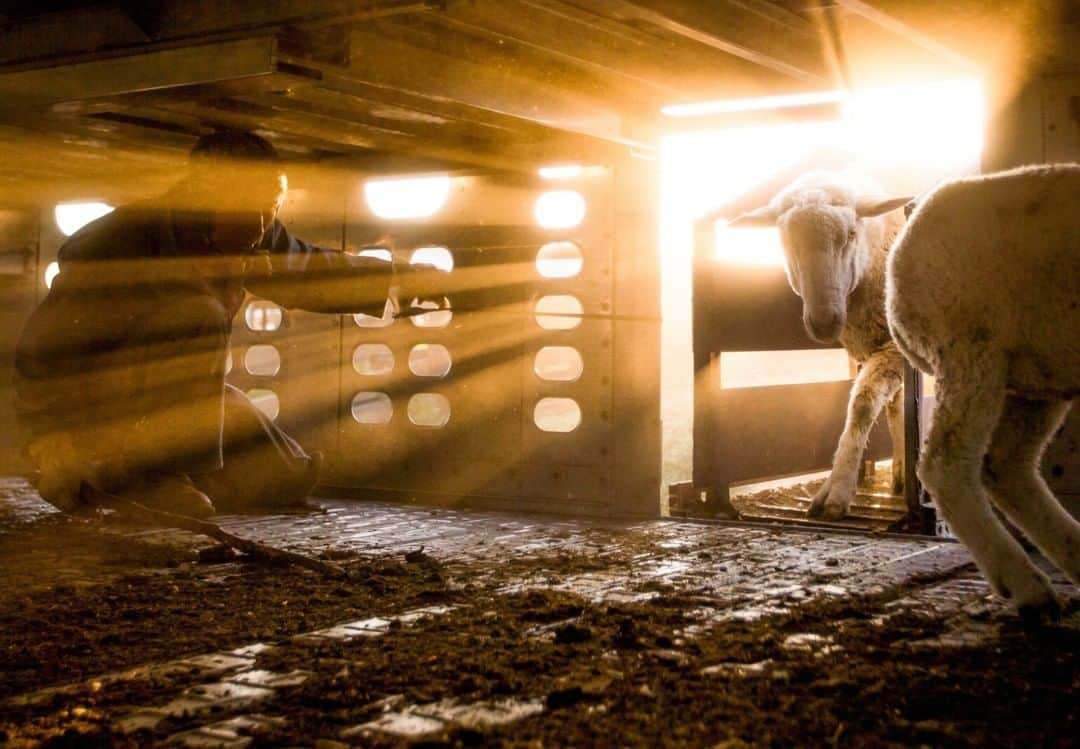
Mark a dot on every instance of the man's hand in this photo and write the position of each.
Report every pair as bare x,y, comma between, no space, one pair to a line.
420,282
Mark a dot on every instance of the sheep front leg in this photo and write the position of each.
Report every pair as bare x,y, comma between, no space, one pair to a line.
878,381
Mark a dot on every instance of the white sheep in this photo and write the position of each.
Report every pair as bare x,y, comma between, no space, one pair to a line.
983,287
835,229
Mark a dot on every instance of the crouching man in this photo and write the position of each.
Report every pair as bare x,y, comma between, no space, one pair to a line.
120,372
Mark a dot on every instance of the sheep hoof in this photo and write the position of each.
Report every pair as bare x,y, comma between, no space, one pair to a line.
817,504
832,499
835,510
823,507
1035,614
1034,598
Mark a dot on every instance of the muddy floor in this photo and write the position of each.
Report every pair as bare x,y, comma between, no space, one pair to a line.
479,629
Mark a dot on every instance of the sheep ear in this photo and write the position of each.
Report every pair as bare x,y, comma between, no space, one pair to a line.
763,216
867,207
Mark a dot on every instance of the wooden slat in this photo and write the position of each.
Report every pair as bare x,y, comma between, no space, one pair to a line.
492,87
778,55
141,71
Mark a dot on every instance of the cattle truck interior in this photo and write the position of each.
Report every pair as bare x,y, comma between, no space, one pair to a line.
547,436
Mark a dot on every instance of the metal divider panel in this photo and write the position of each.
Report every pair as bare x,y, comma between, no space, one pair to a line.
748,308
784,429
490,446
572,466
477,449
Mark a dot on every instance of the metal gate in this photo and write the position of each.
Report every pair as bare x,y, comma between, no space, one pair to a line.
746,434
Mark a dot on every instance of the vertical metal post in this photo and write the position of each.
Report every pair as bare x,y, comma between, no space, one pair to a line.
705,361
920,517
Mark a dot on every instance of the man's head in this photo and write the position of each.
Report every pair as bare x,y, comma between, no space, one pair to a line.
236,177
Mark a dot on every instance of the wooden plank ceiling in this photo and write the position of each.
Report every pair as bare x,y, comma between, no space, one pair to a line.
398,85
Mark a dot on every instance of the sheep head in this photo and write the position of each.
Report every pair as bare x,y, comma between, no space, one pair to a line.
823,232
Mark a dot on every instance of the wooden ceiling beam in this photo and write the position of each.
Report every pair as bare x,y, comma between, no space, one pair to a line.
697,72
185,19
145,70
536,142
910,33
496,87
539,31
628,11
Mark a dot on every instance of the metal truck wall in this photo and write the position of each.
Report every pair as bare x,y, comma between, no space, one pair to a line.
512,396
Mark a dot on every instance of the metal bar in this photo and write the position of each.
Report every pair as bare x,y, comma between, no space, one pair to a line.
923,517
706,361
418,311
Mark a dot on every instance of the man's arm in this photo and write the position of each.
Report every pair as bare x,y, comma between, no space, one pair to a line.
293,273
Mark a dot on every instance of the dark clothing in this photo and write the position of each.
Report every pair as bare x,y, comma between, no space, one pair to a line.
127,352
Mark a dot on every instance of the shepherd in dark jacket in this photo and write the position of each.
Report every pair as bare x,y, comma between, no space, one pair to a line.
120,373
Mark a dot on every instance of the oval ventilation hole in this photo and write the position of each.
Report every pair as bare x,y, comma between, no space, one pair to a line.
562,171
262,360
412,197
559,260
228,362
70,217
52,270
372,408
558,363
558,312
440,257
266,401
439,317
560,209
429,360
429,410
263,316
557,414
373,359
367,321
382,253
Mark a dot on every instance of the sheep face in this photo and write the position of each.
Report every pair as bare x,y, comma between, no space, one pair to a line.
823,230
823,264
